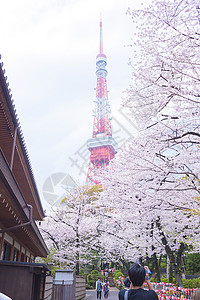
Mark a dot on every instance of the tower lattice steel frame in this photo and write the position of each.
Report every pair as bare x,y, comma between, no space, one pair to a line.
102,145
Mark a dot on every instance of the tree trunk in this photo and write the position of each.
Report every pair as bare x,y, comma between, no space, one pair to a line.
156,265
77,264
169,252
170,272
178,276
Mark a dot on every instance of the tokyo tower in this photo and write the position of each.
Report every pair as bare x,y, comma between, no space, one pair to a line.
102,145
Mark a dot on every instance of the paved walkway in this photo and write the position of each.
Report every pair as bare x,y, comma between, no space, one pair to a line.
92,294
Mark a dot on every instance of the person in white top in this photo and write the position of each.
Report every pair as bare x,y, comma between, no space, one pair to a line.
4,297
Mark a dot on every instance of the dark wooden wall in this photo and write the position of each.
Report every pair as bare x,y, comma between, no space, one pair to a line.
16,282
63,292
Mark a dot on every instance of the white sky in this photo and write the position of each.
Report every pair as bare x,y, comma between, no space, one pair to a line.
49,50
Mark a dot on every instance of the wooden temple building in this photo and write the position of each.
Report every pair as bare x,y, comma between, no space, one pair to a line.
20,206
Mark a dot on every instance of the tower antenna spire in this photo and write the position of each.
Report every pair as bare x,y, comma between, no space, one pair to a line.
101,37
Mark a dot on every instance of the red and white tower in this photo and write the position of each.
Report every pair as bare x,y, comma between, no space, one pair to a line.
102,145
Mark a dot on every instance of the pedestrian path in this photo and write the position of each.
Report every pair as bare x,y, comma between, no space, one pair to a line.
92,295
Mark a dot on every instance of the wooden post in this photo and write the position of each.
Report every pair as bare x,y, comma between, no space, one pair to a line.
43,277
12,250
20,253
1,243
25,255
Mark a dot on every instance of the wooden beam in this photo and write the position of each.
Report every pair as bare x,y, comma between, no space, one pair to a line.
13,148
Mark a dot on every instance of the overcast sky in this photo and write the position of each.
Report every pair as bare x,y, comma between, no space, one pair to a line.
49,50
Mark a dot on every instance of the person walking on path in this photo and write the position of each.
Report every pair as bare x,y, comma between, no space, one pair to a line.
106,289
106,274
99,288
137,276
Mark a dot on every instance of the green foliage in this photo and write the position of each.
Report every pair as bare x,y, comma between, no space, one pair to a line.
94,189
50,261
192,263
167,280
81,272
116,271
53,270
187,283
153,279
95,272
163,262
117,275
191,283
88,287
92,278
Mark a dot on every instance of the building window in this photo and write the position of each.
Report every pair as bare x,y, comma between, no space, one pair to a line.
22,257
15,255
6,251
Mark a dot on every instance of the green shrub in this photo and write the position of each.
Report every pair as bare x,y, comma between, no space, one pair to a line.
192,263
116,271
95,272
81,272
187,283
92,278
191,283
167,280
117,275
88,287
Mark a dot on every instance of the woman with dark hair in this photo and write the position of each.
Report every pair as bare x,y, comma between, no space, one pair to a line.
137,276
106,289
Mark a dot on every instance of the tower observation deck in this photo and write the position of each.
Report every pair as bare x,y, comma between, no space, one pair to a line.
102,145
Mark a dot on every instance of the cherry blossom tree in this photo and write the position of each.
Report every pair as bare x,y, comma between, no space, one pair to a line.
153,220
154,180
71,230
